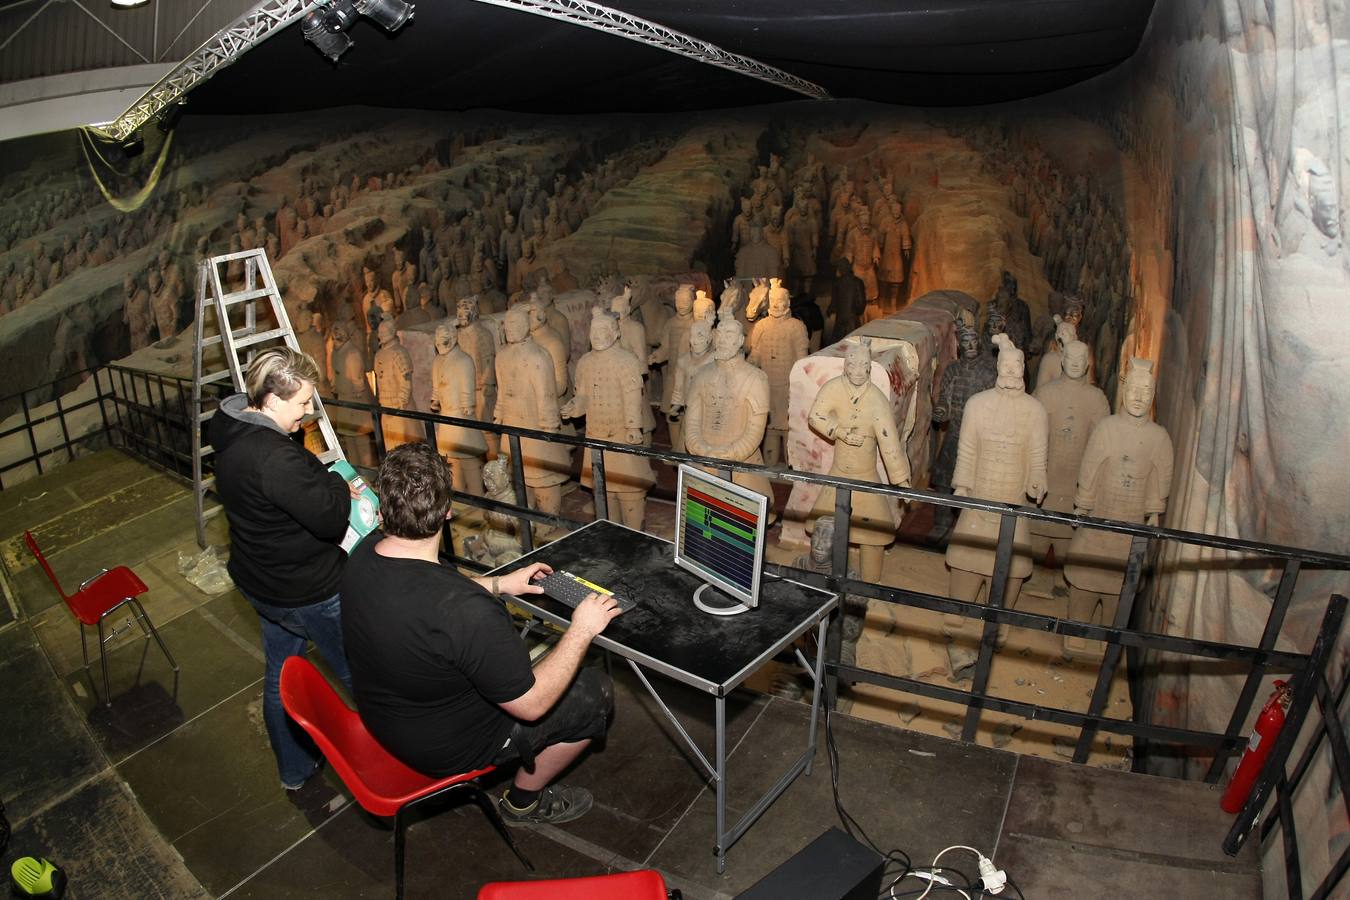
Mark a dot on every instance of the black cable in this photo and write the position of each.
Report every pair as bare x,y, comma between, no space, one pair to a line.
1012,884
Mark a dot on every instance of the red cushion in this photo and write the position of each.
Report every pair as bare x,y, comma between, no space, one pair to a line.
646,884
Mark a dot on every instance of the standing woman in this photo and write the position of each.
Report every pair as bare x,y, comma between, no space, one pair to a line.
287,514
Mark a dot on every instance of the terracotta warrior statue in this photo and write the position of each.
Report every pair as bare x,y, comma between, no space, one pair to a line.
728,408
633,335
478,342
609,395
353,426
863,253
499,542
696,355
393,386
704,308
776,342
528,398
853,412
1001,457
975,370
545,336
310,336
1126,475
1074,406
673,343
1052,365
452,394
543,295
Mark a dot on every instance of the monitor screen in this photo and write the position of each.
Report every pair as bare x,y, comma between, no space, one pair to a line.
719,533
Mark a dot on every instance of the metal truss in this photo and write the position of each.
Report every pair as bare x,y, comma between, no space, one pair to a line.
228,44
613,21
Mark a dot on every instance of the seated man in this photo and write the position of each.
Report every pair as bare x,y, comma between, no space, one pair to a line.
441,677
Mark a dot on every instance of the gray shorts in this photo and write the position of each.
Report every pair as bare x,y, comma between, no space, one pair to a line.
582,713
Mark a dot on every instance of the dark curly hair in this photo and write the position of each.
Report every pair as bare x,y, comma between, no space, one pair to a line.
415,491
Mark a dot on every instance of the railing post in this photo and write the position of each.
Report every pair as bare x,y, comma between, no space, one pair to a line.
598,483
998,585
1305,688
65,432
522,496
1134,567
834,635
1274,622
28,426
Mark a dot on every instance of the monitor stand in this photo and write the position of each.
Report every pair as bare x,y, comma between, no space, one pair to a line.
715,603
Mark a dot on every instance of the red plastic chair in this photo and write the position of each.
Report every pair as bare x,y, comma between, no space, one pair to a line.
646,884
97,598
382,784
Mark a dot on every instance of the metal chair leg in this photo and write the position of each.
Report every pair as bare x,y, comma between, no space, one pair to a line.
399,826
144,620
103,658
84,648
490,810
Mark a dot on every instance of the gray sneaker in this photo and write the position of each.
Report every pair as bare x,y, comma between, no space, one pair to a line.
557,803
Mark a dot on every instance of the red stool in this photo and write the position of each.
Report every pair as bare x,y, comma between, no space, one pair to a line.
646,884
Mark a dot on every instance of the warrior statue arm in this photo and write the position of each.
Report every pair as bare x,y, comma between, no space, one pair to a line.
693,426
465,398
892,454
1159,484
1089,472
576,407
963,476
1038,452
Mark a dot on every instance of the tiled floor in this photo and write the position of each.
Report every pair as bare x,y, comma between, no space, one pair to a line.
172,791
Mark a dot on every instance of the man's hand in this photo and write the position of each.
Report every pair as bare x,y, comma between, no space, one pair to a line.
853,437
522,581
633,436
593,614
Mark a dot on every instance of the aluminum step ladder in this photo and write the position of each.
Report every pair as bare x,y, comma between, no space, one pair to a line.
233,326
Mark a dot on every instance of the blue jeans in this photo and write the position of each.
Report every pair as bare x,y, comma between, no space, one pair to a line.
285,632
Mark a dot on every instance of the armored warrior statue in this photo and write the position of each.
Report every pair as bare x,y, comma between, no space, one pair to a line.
776,342
853,412
728,408
393,383
353,426
499,542
673,343
696,355
970,373
1074,406
1001,457
609,395
137,313
1052,365
1126,475
452,388
309,335
528,398
478,342
633,335
543,334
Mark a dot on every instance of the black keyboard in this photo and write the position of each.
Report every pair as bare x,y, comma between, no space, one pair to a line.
571,590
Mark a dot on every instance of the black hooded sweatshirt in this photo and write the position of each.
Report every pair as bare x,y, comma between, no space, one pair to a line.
287,512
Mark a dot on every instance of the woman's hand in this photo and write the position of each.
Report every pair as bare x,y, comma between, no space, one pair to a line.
522,581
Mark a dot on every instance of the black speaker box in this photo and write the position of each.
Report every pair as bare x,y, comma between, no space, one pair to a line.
832,867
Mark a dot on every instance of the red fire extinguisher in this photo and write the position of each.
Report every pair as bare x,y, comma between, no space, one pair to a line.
1268,726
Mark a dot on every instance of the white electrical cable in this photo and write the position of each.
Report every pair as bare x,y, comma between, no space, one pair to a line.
934,866
933,878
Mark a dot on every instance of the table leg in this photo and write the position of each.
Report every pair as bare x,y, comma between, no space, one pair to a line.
815,695
721,763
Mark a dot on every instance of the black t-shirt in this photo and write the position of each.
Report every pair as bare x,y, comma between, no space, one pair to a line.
431,655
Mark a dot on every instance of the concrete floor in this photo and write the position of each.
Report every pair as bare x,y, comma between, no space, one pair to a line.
172,791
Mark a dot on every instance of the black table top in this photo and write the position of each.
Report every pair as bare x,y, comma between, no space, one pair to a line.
666,631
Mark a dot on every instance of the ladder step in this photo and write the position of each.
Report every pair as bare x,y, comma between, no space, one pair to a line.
207,450
211,341
222,375
261,337
206,415
329,456
245,296
207,483
211,511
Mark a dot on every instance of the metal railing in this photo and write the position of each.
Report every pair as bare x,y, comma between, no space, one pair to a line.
149,414
28,400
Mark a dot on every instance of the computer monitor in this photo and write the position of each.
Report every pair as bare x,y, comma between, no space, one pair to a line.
719,536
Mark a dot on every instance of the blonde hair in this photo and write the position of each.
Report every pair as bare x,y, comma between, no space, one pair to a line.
278,370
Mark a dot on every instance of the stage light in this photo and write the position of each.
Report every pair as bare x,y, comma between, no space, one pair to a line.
326,29
128,4
391,15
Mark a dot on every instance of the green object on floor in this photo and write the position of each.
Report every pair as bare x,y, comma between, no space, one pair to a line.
31,877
